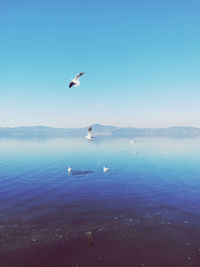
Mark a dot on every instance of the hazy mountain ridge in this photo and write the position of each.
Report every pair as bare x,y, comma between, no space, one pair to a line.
44,131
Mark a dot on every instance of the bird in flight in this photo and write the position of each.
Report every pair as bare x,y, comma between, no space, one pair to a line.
89,135
75,81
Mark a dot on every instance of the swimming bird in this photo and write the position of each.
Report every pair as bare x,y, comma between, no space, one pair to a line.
89,134
75,81
106,169
69,169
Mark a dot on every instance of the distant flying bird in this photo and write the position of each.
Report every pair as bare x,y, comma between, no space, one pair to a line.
89,135
75,81
105,169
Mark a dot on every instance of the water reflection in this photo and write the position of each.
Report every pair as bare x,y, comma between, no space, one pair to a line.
73,172
148,205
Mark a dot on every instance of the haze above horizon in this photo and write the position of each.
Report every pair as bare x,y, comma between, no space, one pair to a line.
141,61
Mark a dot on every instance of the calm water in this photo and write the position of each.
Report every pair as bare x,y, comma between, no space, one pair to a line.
144,212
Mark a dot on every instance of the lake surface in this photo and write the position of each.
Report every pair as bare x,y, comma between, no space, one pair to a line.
144,212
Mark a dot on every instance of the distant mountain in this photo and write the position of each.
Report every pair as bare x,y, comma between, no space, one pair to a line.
43,131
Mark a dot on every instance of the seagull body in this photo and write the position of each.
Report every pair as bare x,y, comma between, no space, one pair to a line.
105,169
89,134
75,81
69,169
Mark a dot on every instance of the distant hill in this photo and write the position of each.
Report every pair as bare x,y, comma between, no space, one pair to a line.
99,130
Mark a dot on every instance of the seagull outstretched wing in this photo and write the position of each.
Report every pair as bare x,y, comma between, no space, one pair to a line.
78,75
71,84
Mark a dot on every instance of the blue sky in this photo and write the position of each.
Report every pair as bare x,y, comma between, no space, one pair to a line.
141,61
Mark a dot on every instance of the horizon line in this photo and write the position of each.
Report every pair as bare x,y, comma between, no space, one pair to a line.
95,124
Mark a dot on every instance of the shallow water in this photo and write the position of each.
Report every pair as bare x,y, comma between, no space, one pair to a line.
144,212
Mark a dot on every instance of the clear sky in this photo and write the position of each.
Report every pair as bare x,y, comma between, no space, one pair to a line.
141,61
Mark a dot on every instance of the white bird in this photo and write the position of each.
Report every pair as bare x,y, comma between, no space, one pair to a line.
69,169
105,169
131,141
89,134
75,81
134,152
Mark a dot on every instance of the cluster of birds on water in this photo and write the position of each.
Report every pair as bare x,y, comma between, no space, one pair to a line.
75,82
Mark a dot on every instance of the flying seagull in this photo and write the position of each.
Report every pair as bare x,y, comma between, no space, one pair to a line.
89,135
75,81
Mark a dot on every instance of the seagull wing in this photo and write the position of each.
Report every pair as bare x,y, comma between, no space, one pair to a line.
78,75
71,84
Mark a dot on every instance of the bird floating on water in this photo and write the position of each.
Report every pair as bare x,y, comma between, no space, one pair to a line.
89,134
69,169
75,81
106,169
